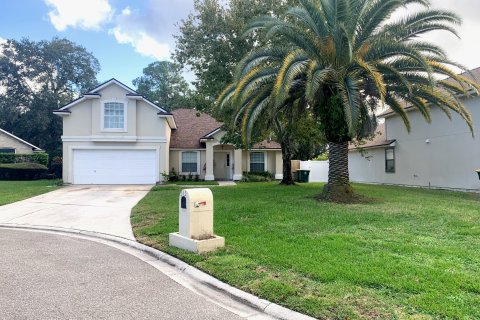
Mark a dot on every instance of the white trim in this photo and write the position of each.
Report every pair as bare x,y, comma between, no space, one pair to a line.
106,84
180,163
212,133
109,82
114,139
125,116
170,119
17,138
264,159
61,113
74,102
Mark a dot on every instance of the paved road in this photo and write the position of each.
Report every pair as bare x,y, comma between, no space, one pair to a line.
46,276
104,209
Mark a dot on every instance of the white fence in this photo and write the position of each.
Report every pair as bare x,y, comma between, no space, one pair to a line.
318,170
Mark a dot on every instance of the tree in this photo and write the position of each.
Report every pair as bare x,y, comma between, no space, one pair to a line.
249,100
163,83
351,58
39,77
210,41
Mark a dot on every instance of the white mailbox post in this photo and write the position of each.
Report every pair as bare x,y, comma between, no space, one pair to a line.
196,222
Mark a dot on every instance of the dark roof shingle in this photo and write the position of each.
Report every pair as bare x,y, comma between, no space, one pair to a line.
192,125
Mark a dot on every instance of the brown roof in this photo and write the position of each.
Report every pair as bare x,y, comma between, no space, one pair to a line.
473,74
377,141
267,144
192,125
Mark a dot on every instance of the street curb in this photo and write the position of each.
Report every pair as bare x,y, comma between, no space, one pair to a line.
262,305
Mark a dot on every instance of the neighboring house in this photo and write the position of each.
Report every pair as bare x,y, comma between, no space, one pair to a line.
10,143
196,148
113,135
442,154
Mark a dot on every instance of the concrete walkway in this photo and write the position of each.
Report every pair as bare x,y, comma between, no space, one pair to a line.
103,209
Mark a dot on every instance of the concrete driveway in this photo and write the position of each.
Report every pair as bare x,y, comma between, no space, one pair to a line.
104,209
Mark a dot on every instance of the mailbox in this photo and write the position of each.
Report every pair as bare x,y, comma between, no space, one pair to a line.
196,222
196,213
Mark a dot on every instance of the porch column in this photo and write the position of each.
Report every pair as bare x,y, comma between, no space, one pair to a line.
209,161
278,165
237,164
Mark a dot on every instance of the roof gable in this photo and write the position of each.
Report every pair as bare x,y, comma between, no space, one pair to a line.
35,148
95,93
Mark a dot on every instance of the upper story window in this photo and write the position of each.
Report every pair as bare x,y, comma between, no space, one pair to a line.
390,160
7,150
114,116
257,162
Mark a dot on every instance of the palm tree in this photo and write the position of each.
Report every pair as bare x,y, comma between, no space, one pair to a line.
348,57
250,98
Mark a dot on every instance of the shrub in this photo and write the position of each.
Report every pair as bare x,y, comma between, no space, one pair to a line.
56,166
257,176
40,158
22,171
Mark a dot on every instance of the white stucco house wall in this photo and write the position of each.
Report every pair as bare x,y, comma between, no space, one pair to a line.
113,135
442,154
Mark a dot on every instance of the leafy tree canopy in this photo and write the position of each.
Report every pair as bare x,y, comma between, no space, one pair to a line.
37,78
211,42
162,82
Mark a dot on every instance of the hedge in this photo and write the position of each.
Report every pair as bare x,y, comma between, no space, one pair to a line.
22,171
40,158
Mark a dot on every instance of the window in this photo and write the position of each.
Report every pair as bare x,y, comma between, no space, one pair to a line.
7,150
390,160
190,162
257,162
114,116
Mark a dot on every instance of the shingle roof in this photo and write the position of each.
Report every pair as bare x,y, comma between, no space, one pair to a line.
267,144
193,125
377,141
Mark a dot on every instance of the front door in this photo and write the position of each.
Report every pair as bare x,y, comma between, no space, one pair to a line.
222,165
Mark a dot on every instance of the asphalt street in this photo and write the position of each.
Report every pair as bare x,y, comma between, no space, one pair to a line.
47,276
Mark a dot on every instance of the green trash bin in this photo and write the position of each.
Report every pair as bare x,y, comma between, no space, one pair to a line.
302,175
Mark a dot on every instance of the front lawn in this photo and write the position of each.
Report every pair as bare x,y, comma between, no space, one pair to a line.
410,254
11,191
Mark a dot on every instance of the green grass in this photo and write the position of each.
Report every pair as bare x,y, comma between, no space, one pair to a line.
11,191
192,183
410,254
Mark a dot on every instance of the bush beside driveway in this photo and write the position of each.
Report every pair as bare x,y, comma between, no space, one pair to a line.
408,253
12,191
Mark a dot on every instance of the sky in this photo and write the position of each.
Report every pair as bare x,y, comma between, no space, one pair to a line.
127,35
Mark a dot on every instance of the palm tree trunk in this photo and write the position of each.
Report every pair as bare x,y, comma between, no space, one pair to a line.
338,177
287,167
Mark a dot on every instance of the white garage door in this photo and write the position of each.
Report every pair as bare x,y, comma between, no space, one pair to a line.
114,166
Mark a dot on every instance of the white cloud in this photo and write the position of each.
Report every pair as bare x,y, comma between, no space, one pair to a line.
142,42
2,40
149,30
85,14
